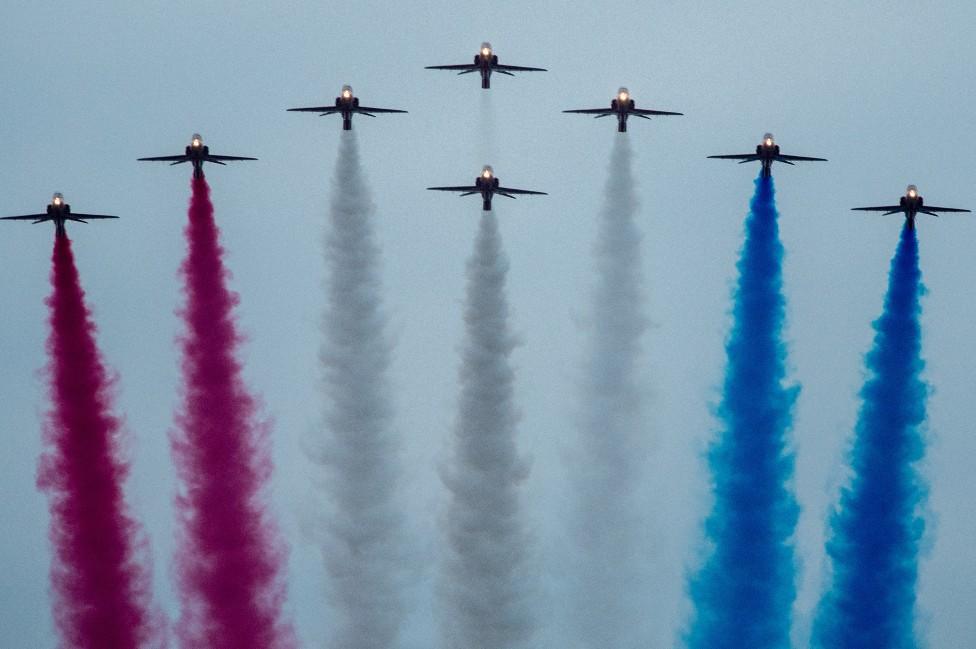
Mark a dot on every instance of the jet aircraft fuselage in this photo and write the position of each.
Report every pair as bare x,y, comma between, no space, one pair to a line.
487,184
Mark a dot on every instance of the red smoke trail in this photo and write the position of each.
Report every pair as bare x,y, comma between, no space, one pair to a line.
102,589
231,560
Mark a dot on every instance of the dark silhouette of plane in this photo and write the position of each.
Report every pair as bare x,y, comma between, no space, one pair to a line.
487,185
59,212
347,104
911,204
622,106
197,153
486,62
767,153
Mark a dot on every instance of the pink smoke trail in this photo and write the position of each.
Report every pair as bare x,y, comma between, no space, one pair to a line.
231,561
100,575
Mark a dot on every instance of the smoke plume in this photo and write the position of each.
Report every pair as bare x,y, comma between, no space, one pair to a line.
356,455
483,584
612,431
876,530
100,575
231,560
744,592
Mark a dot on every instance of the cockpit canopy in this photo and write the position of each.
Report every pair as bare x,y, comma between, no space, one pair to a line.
57,199
196,140
347,91
487,171
486,49
623,94
912,191
768,139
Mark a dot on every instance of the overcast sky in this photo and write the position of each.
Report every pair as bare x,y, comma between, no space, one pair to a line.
882,89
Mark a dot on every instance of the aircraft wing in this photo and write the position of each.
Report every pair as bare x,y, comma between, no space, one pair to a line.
509,190
593,111
325,110
644,111
745,157
25,217
465,188
367,109
887,209
78,217
799,158
517,68
167,158
926,208
462,66
218,158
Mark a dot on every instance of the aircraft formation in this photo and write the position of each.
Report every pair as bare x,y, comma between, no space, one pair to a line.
622,105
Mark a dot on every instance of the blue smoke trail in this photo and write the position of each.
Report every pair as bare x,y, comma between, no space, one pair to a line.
744,593
876,530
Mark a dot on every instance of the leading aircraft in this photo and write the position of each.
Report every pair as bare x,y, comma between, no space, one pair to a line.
622,106
767,153
59,212
197,153
487,185
486,62
912,205
346,104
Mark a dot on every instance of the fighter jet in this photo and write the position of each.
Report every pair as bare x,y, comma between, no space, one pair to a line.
485,62
911,204
487,185
197,153
347,104
622,106
768,153
59,212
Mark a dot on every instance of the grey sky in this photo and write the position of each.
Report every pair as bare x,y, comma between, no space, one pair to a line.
883,89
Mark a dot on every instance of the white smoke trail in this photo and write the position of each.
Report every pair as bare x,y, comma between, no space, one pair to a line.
613,434
483,584
356,452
